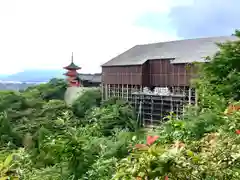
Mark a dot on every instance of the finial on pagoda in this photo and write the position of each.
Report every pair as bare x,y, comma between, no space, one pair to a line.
72,57
72,66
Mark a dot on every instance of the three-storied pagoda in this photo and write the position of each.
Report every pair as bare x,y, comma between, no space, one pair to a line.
72,74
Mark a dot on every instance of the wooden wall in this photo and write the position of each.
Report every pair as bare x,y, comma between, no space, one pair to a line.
122,75
159,73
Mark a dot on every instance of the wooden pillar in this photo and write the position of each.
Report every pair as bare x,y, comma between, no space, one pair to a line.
114,90
196,97
189,95
118,94
109,91
102,93
106,91
127,92
122,90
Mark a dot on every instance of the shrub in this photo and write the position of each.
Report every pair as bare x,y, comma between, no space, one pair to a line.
88,100
109,117
8,137
216,156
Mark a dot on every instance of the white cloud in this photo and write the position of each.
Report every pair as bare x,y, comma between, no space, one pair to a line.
43,33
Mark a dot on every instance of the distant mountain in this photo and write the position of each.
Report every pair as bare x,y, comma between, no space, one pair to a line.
34,76
15,86
3,76
22,80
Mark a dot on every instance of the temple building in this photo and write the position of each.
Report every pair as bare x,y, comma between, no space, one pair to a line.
72,74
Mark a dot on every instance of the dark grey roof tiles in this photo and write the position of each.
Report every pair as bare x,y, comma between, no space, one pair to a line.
97,78
181,51
91,77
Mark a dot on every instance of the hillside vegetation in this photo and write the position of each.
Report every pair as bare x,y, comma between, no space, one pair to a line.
43,139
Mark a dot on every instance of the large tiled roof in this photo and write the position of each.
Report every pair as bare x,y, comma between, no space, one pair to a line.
181,51
95,78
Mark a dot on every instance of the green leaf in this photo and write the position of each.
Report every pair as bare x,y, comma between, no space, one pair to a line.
8,161
190,153
4,178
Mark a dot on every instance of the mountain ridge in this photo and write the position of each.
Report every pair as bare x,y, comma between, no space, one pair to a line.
33,75
39,75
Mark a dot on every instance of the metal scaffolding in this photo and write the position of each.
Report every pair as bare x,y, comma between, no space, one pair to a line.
152,106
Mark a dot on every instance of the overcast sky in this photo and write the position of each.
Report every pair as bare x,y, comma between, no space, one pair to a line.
42,34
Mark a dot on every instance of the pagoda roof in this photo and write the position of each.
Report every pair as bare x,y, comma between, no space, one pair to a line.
71,73
72,65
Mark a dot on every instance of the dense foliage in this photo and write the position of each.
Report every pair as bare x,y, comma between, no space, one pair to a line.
54,141
42,138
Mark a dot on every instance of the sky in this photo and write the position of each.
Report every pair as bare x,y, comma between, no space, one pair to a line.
42,34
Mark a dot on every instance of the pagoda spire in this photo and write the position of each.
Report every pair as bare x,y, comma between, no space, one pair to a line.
72,66
72,58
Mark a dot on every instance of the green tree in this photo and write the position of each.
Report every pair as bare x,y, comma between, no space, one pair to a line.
54,89
86,101
219,79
